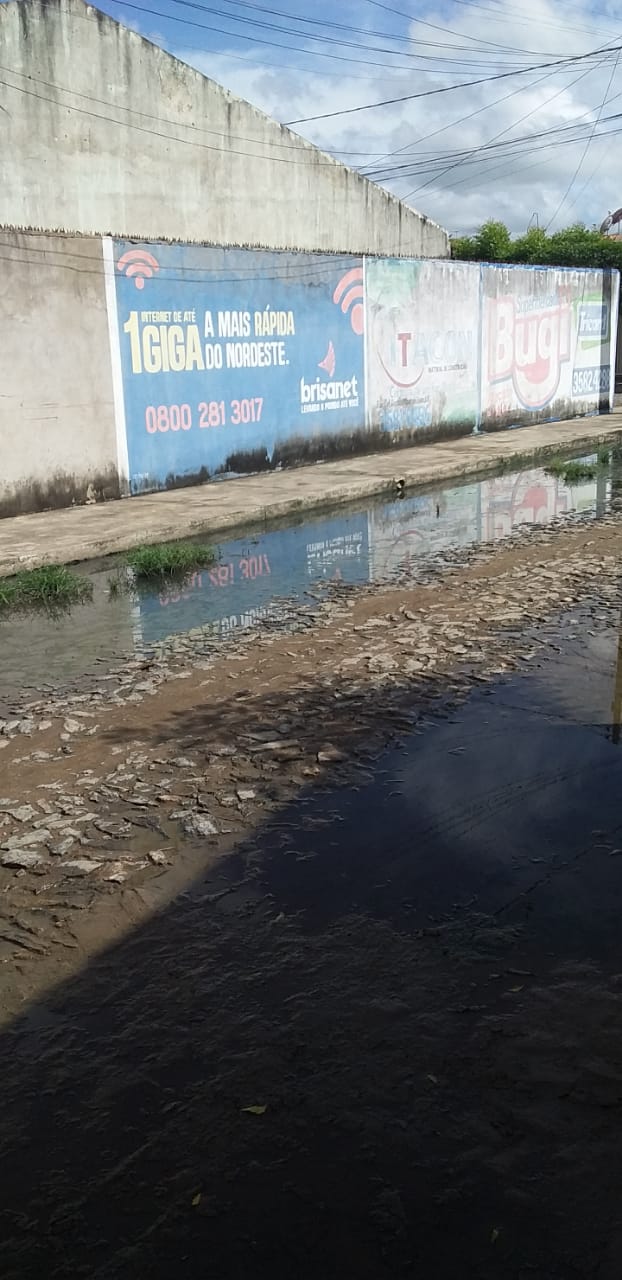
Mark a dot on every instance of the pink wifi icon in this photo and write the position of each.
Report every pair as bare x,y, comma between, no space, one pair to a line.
349,295
139,265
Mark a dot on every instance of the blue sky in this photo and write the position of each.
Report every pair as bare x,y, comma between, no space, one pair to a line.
546,155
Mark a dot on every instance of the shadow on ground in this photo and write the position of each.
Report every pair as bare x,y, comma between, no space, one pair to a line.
381,1039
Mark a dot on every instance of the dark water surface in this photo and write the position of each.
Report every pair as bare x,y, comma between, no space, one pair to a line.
417,985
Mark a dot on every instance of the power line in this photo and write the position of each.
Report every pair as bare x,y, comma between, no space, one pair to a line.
236,57
335,57
327,263
460,121
467,84
522,18
492,142
322,39
362,30
177,124
587,145
157,133
341,26
425,162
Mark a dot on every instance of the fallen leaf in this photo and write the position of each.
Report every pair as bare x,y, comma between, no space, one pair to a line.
255,1110
434,1079
196,1199
515,989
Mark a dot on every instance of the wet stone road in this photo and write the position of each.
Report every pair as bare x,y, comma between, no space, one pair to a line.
395,1050
364,1018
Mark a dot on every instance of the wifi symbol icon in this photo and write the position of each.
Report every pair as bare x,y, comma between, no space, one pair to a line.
349,295
138,265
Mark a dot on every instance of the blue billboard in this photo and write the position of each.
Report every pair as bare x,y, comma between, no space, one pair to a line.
227,356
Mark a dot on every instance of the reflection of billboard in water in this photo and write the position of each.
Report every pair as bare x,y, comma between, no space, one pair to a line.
412,528
532,497
252,571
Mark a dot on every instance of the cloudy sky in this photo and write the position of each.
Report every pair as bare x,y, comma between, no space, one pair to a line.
530,144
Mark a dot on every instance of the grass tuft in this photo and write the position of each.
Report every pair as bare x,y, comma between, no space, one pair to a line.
52,585
168,559
572,472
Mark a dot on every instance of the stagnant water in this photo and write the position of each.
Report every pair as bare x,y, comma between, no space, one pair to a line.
369,543
417,993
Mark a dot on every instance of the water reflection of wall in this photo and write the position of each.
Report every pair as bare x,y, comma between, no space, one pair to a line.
408,529
252,571
38,649
532,497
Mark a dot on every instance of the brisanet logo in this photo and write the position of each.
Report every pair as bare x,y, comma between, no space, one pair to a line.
528,342
593,320
323,394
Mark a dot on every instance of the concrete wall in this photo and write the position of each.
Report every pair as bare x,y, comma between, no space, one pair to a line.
57,426
103,132
132,367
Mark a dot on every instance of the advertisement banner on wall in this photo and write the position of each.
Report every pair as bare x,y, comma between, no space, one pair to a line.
548,347
422,345
233,360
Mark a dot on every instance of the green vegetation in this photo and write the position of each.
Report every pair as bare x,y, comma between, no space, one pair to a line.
168,559
575,246
52,586
572,472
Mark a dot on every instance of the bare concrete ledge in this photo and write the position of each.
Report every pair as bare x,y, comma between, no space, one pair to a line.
85,533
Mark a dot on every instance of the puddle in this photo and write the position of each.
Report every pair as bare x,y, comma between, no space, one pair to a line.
516,789
368,544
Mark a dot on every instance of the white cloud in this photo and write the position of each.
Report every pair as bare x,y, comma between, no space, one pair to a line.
512,189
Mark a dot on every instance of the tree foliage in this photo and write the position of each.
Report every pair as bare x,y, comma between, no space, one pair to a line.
574,246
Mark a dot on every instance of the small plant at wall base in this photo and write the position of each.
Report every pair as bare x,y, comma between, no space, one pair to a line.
168,560
52,586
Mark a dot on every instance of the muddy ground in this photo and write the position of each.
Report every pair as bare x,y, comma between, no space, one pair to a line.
310,944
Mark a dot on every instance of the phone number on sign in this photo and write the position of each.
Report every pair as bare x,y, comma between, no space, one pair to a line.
587,382
209,413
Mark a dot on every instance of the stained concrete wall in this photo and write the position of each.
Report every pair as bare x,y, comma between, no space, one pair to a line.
136,368
57,425
104,132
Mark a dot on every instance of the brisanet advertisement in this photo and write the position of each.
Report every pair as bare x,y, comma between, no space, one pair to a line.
226,355
547,346
422,344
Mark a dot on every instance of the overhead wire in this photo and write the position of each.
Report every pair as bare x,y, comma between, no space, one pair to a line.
378,174
587,145
362,30
177,124
430,93
171,17
325,23
494,140
524,19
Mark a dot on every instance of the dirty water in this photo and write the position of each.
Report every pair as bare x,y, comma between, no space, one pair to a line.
397,1053
256,573
475,806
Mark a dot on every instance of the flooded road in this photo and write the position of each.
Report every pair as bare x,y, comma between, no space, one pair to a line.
382,1038
310,943
255,573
